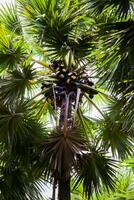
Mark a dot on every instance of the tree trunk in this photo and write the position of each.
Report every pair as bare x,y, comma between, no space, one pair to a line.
62,113
64,189
69,114
63,182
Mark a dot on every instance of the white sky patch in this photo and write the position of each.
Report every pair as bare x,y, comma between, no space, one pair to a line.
5,1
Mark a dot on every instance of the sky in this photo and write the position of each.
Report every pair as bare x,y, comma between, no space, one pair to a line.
3,1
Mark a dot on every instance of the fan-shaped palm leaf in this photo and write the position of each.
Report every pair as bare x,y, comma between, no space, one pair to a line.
62,23
120,75
114,134
16,184
18,83
12,50
59,153
94,168
19,129
122,7
10,19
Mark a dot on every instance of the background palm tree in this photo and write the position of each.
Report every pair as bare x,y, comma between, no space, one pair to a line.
56,63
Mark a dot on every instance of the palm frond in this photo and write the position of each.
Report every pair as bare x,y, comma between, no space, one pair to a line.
10,19
44,111
118,44
13,50
122,8
58,153
124,32
114,134
18,83
93,169
130,163
119,77
19,129
63,23
62,37
88,124
16,184
124,187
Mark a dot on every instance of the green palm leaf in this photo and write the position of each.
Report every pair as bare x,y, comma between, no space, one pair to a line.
12,50
62,23
94,168
16,184
10,19
122,8
18,83
114,134
19,129
119,77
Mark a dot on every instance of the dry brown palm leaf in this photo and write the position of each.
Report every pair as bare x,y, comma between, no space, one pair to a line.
59,153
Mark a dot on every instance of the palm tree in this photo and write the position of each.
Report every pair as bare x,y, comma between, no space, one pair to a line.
47,56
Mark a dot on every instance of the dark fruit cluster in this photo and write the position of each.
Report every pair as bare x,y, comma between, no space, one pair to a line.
66,82
62,74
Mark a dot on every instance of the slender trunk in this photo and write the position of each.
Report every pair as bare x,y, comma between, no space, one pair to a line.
64,192
62,113
70,118
64,189
69,114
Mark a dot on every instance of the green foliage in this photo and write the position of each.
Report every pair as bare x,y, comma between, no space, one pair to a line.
15,183
18,127
122,8
123,190
18,83
13,50
93,168
114,134
10,19
59,60
63,22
